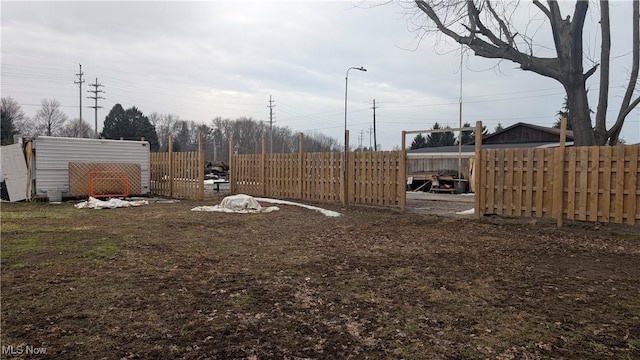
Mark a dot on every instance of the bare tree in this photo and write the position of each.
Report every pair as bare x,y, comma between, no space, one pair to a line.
488,28
164,124
78,129
318,142
247,135
49,119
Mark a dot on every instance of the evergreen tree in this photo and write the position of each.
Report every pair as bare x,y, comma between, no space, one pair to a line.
467,135
11,115
418,142
130,124
438,139
498,128
434,139
448,138
564,112
485,131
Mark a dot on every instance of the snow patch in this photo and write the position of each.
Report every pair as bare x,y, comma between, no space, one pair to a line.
325,212
466,212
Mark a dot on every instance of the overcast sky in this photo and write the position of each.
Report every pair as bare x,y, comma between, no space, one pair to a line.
201,60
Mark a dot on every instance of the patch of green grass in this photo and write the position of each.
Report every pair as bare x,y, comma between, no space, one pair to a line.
6,227
104,250
18,266
36,213
627,237
19,247
242,299
629,305
598,348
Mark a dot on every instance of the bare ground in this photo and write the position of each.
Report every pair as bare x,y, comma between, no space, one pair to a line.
161,281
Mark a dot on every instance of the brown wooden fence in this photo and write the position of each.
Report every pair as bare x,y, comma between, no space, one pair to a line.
372,178
178,174
599,183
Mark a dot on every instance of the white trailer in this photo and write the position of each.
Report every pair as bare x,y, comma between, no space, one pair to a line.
51,157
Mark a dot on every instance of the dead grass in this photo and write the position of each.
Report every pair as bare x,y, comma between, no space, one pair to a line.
161,281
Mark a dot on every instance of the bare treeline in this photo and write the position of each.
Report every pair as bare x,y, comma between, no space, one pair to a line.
246,134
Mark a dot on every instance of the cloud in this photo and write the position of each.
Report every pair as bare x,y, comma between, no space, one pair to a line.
200,60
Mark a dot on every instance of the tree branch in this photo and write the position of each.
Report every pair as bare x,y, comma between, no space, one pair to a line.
502,25
496,49
627,106
575,33
605,56
473,12
427,9
557,29
591,71
544,10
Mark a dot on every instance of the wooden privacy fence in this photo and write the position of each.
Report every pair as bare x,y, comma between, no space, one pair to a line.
178,174
371,178
599,183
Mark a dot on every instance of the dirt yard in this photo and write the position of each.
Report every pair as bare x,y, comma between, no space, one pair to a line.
161,281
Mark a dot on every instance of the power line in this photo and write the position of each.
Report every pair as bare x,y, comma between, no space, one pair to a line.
96,90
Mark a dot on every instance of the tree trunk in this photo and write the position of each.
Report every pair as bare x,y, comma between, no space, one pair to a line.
580,114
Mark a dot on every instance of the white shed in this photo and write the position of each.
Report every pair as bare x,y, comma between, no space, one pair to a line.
51,158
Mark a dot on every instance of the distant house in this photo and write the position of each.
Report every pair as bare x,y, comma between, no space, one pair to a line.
523,133
424,162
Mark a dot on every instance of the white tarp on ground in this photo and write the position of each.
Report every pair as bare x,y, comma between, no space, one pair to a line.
243,204
247,204
94,203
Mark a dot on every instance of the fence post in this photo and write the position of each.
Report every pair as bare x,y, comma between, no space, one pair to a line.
345,178
200,168
558,174
477,169
263,156
402,186
232,169
301,164
171,166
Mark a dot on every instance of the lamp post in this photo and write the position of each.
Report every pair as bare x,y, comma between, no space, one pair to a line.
345,189
346,83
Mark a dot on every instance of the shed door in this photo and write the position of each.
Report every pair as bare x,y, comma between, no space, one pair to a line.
14,168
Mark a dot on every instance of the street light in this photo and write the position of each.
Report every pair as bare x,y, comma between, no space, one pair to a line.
346,141
346,83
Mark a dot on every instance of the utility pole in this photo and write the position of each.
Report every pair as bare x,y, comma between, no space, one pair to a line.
215,149
375,141
361,138
96,90
79,82
271,106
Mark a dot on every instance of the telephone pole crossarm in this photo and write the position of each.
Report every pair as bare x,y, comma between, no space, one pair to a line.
80,82
96,91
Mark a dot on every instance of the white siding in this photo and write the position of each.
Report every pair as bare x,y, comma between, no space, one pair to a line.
52,156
